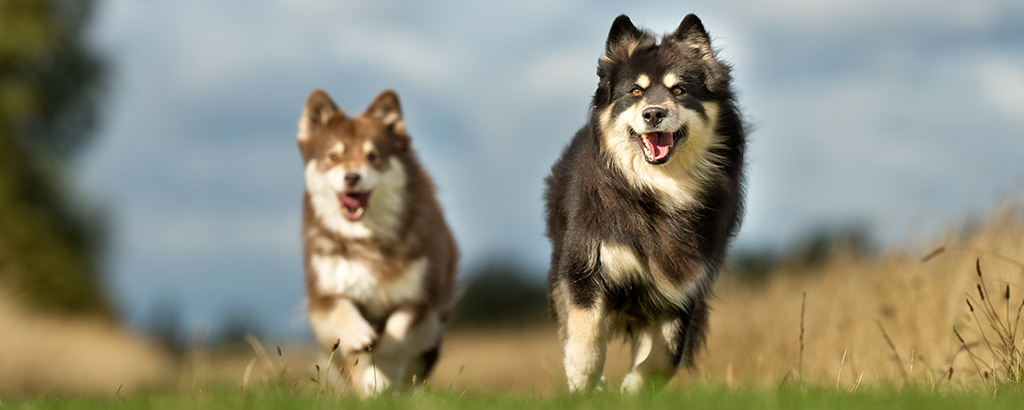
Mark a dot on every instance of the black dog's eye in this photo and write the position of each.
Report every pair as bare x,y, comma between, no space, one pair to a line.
636,91
372,157
677,90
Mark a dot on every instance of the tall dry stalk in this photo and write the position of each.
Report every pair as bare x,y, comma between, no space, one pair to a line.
803,312
1001,337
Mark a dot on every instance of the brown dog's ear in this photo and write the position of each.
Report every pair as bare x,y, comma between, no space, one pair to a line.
318,110
388,110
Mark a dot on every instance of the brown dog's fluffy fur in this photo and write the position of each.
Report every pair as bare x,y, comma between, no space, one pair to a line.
380,259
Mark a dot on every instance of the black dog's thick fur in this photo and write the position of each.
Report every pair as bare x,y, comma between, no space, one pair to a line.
680,246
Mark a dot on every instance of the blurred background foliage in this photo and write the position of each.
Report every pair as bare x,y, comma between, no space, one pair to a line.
50,86
504,293
501,293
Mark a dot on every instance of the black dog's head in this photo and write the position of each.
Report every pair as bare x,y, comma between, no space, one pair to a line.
655,97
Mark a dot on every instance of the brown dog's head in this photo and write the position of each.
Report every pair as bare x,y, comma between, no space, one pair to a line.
352,163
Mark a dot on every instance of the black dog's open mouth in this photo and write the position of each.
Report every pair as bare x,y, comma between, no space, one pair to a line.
658,146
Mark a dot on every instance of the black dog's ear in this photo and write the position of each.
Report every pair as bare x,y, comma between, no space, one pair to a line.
623,39
692,35
603,94
692,39
691,25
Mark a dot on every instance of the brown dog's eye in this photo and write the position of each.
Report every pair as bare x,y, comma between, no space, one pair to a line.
372,157
636,91
677,90
333,156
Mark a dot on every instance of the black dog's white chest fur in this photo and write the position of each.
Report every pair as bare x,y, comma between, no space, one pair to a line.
644,202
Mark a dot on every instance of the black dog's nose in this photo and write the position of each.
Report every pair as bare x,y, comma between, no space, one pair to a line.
654,115
351,179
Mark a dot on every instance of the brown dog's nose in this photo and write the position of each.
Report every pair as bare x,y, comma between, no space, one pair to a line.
351,179
654,115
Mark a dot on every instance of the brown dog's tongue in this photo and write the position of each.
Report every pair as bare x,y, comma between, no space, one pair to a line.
352,202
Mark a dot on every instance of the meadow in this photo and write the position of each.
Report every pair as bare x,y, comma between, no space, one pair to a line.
696,397
934,323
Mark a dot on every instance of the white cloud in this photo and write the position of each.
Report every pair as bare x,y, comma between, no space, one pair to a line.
557,74
167,232
320,13
832,17
396,51
1002,82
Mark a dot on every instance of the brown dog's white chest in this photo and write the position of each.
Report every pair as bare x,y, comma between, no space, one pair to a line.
370,283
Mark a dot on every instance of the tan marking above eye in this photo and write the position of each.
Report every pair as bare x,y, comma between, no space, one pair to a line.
670,80
643,81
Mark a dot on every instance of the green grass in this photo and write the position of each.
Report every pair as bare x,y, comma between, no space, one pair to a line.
699,397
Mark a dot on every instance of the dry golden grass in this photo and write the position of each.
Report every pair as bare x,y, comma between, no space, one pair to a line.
888,318
40,353
513,360
856,307
868,320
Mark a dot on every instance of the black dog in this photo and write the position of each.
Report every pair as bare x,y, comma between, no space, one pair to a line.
643,204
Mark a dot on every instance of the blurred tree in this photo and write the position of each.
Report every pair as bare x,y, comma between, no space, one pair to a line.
49,87
500,292
814,250
165,325
233,329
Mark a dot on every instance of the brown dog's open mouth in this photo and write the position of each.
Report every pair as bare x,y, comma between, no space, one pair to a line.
658,146
353,204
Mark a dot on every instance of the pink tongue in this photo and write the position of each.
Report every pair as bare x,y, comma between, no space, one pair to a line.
352,202
658,143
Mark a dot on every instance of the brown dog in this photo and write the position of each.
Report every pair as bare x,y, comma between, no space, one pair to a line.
380,259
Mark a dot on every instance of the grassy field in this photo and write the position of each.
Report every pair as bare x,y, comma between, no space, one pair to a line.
695,397
886,330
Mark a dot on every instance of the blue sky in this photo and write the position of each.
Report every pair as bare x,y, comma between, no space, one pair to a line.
902,116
